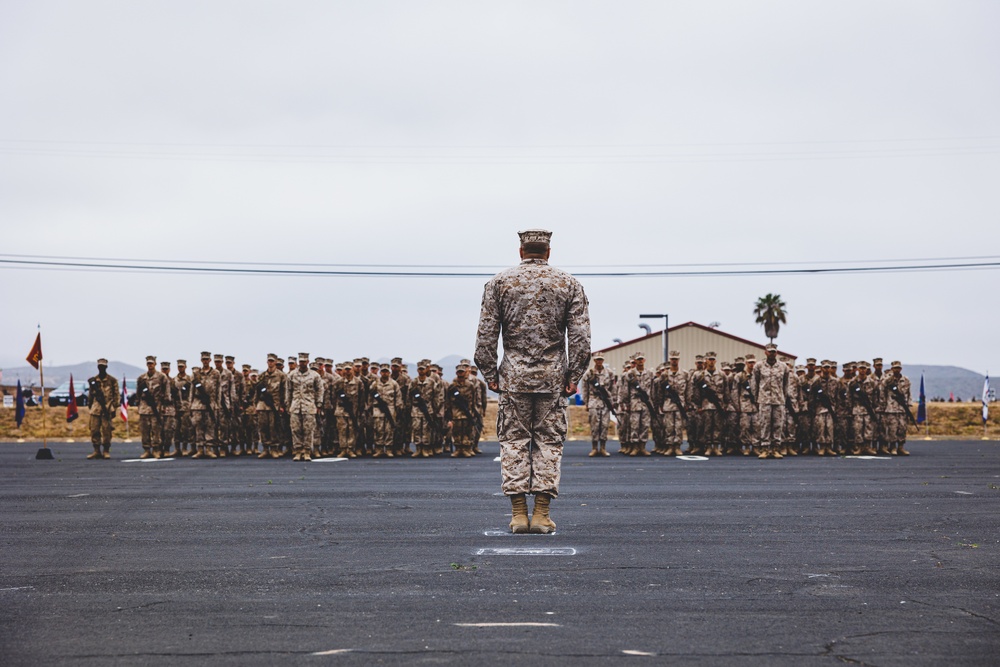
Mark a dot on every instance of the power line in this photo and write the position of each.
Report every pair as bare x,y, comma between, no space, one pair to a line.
218,270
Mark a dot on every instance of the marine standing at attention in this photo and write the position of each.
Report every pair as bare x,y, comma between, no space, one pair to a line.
541,312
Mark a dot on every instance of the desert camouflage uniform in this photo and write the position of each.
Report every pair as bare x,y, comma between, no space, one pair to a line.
349,396
750,413
842,437
771,384
537,308
102,411
735,401
205,413
704,384
640,387
483,397
303,397
250,436
423,413
184,436
804,424
673,420
896,398
623,407
464,426
864,398
269,403
822,415
383,424
401,438
597,410
330,444
151,393
237,430
168,411
225,415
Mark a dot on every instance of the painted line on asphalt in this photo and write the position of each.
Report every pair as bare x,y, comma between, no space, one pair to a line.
335,459
507,625
496,460
691,457
146,460
965,493
78,495
334,651
869,458
527,551
644,654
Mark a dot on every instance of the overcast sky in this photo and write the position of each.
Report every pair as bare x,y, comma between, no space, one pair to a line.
428,133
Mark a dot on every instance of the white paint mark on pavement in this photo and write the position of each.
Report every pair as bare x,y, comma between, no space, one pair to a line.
508,625
335,459
78,495
334,651
496,460
497,533
691,457
870,458
965,493
146,460
639,653
18,588
527,551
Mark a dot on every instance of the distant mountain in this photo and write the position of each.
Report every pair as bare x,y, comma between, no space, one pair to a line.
942,381
56,375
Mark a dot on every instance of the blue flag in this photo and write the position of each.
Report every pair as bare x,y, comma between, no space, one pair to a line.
922,406
19,412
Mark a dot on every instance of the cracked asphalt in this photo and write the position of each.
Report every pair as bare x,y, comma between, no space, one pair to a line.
732,561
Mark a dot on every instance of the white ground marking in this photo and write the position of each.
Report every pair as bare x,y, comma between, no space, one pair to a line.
691,457
497,460
78,495
508,625
334,651
642,653
334,459
146,460
497,533
527,551
870,458
965,493
17,588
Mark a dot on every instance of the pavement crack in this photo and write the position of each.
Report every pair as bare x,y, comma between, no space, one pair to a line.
961,609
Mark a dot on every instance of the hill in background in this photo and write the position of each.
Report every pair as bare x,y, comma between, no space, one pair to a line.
56,375
942,381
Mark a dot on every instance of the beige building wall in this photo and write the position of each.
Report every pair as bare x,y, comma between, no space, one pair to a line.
689,339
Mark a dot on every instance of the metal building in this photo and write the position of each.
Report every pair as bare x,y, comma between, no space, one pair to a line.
689,339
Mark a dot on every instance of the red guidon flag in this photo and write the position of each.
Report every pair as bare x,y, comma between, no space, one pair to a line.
71,411
35,356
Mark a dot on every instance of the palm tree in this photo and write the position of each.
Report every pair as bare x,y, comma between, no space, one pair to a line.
770,311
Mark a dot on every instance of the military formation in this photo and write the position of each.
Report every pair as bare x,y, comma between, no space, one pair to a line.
766,409
313,409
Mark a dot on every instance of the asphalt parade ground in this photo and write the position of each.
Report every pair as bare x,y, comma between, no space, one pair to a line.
731,561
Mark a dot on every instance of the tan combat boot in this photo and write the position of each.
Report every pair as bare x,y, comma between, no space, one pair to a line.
519,514
902,450
762,452
209,454
541,523
604,451
145,453
199,454
96,454
107,451
593,449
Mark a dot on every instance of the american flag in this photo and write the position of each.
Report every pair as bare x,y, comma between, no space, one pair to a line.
124,408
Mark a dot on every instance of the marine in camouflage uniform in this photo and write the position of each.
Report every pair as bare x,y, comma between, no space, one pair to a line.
424,410
623,408
879,378
541,312
671,397
270,393
206,400
151,392
823,393
237,444
896,398
796,420
434,373
483,398
224,417
350,398
304,397
863,393
596,388
734,393
709,396
185,431
401,439
842,439
168,411
461,402
105,399
770,385
640,383
385,401
805,424
694,420
250,409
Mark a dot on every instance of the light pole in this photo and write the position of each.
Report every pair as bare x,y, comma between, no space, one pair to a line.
666,325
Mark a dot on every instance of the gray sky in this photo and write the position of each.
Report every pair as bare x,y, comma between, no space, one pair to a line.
641,133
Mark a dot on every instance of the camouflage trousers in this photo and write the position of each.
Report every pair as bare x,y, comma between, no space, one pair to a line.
823,428
710,427
346,433
749,429
730,433
531,429
599,419
149,430
463,433
303,429
771,425
842,429
864,430
269,427
673,428
169,431
895,426
382,431
638,424
184,431
422,433
330,435
100,430
804,428
203,427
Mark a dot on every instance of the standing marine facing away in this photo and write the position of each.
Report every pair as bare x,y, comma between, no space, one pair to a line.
541,312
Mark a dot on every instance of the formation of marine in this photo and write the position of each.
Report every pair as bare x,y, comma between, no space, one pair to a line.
313,409
766,409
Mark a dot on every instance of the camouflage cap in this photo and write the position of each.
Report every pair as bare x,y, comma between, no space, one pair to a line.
102,362
328,362
164,364
313,365
206,355
826,363
384,367
422,363
727,366
465,362
217,357
770,347
280,362
738,360
800,369
674,354
709,355
230,357
751,357
864,364
365,360
639,355
877,361
303,356
897,364
246,367
535,236
811,361
272,356
699,357
293,359
833,364
598,355
254,371
182,362
150,359
397,361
